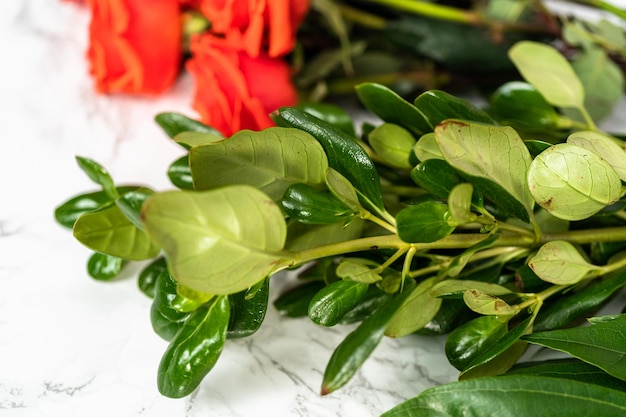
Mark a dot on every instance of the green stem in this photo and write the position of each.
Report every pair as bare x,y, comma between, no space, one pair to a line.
362,18
591,125
392,259
366,215
607,234
603,5
432,10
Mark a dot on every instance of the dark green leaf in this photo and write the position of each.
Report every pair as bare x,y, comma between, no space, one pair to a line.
131,202
247,310
449,317
295,301
468,341
175,123
194,350
435,176
104,267
179,173
331,303
602,344
520,395
424,222
359,344
166,320
390,107
344,153
306,204
331,114
499,197
371,301
148,276
99,175
437,106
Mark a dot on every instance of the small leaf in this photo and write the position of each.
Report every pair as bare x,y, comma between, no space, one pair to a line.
601,344
247,311
99,175
333,302
198,138
393,144
558,262
217,242
460,203
358,270
456,287
520,395
424,222
166,320
466,342
437,106
417,310
130,203
179,173
342,189
460,261
572,183
175,123
104,267
295,301
549,72
482,302
147,278
426,148
603,146
435,176
306,204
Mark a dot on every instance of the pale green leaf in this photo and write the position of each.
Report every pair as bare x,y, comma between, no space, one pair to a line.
341,188
426,148
482,302
217,242
191,139
558,262
460,204
359,270
416,311
603,146
393,144
456,287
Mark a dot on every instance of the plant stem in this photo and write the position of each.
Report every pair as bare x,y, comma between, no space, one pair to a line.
603,5
607,234
431,10
362,18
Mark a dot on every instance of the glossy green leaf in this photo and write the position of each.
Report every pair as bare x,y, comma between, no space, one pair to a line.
344,153
460,204
358,270
166,320
194,350
269,160
435,176
603,344
147,279
98,174
70,210
452,314
309,205
130,203
331,303
175,123
393,144
109,231
373,299
247,311
424,222
520,395
390,107
482,302
295,301
559,262
415,312
426,148
179,173
359,344
572,183
104,267
494,153
437,106
520,104
331,114
217,242
468,341
190,139
456,287
604,146
549,72
188,300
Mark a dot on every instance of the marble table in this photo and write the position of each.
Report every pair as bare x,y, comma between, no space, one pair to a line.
73,346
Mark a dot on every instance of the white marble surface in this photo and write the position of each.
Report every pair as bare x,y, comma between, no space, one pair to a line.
71,346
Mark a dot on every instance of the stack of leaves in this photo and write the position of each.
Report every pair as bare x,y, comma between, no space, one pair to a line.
500,227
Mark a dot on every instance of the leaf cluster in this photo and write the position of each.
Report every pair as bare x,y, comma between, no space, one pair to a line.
501,227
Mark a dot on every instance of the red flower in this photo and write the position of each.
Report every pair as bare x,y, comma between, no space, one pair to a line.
235,91
257,25
135,45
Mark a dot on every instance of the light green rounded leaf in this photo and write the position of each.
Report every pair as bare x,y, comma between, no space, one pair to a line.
358,270
456,287
191,139
393,144
558,262
549,72
416,311
603,146
269,160
482,302
341,188
572,183
424,222
109,231
217,242
426,148
460,204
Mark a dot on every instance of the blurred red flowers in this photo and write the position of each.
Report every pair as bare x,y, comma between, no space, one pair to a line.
237,63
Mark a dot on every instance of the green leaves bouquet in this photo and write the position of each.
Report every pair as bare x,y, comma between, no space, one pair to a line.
500,226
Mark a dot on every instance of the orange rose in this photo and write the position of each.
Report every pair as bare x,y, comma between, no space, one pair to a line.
235,91
135,45
258,25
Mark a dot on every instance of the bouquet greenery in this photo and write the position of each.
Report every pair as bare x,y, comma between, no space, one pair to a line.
500,226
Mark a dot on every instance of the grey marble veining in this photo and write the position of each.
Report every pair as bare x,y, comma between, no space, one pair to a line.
71,346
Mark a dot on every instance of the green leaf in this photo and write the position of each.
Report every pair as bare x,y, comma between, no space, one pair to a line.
130,203
309,205
456,287
435,176
109,231
98,174
424,222
166,320
341,188
520,395
198,138
179,173
390,107
175,123
330,113
358,270
359,344
549,72
247,311
269,160
217,242
603,344
307,236
147,279
426,148
494,153
333,302
104,267
437,106
460,204
67,212
559,262
393,144
194,350
344,153
466,342
415,312
459,262
295,301
572,183
603,146
484,303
